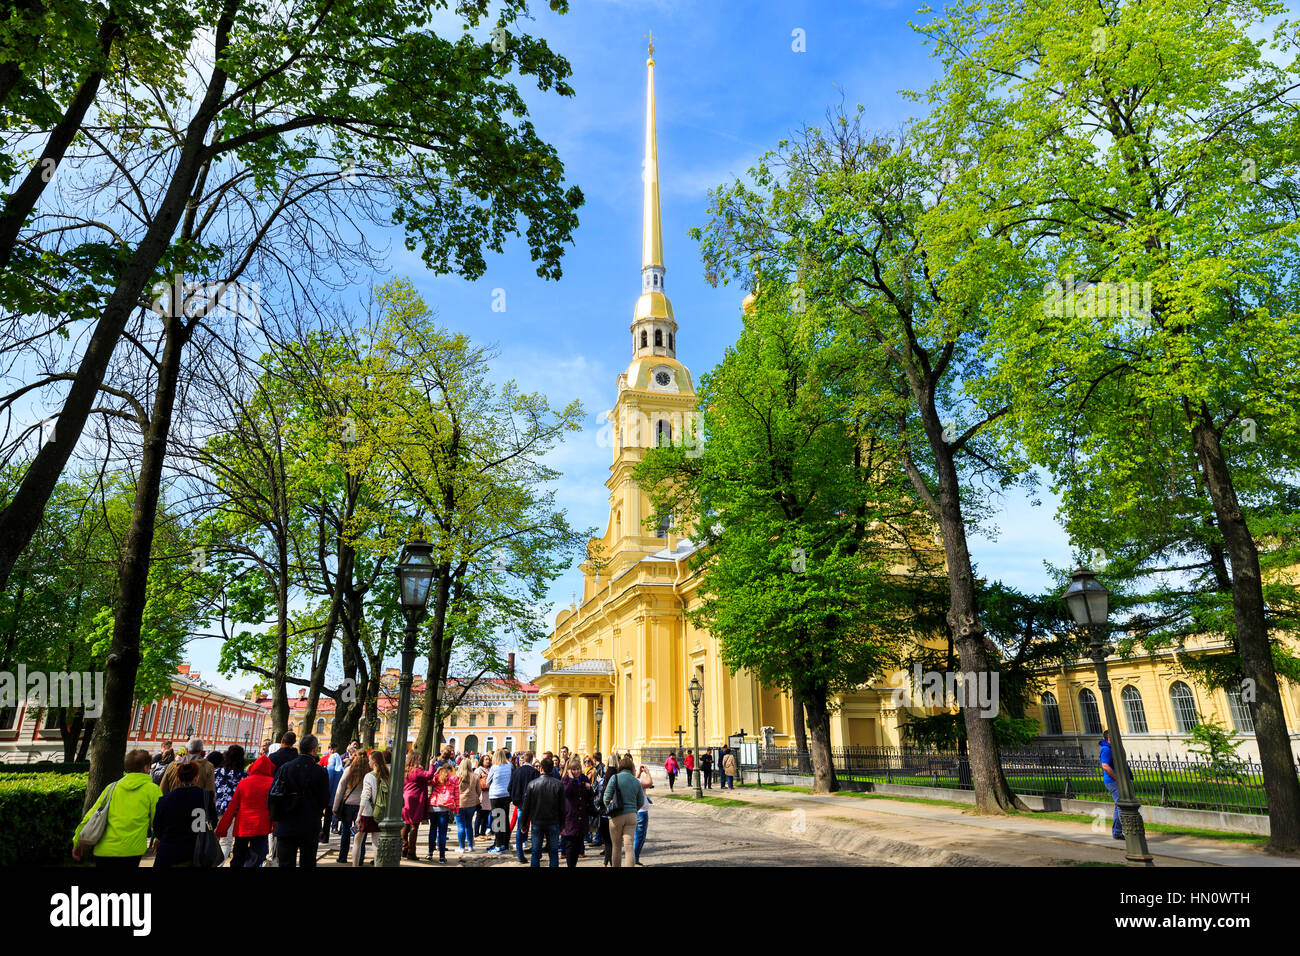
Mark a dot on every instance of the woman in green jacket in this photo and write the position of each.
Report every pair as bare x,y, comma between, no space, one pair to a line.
622,825
130,814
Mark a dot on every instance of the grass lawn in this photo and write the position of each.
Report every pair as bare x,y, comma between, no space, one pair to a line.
726,802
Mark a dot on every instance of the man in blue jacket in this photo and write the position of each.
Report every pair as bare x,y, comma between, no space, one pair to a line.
1108,777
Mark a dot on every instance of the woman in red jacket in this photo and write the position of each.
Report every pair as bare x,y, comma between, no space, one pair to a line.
248,810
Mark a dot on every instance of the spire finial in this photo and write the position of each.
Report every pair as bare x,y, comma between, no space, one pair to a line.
651,37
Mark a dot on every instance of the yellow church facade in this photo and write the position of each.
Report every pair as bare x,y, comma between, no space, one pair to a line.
619,662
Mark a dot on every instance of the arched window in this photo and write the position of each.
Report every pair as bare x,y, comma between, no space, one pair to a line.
1134,712
659,338
663,433
320,725
1091,716
1242,720
643,338
1051,714
670,340
665,523
1184,703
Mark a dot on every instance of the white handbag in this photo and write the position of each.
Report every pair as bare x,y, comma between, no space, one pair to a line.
95,827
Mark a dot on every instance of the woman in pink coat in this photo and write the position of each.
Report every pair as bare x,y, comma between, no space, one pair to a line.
415,807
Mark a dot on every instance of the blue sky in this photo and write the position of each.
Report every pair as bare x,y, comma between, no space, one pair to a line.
729,86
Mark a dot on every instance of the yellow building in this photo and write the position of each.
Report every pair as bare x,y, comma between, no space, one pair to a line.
619,663
1156,700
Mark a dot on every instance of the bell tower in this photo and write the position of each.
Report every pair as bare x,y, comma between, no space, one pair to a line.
656,397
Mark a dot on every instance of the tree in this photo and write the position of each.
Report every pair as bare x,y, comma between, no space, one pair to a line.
1146,157
864,224
291,89
470,456
801,520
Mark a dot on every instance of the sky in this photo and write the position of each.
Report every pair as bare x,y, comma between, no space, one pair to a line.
730,84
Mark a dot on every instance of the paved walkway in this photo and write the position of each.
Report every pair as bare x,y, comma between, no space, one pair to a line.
676,837
1038,841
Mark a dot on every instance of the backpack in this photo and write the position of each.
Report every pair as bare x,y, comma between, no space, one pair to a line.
95,827
381,801
280,800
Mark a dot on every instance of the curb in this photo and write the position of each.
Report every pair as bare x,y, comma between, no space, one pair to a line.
838,838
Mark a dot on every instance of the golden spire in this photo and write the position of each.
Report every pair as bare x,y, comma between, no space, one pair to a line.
653,325
652,241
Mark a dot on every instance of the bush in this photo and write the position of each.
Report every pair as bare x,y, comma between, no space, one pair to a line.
46,766
40,811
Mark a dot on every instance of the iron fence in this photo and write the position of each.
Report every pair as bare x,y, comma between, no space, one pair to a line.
1067,773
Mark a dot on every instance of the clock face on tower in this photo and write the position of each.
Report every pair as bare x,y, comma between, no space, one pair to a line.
662,378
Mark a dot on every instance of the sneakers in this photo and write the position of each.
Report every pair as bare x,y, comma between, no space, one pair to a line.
495,849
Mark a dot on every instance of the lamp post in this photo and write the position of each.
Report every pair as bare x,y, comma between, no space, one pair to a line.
1089,604
599,715
559,732
696,692
414,576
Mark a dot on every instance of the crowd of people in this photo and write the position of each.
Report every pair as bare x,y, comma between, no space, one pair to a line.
204,809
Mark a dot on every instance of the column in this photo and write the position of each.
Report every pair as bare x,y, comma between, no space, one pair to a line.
583,742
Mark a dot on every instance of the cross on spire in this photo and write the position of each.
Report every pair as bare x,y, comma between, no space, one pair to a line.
651,37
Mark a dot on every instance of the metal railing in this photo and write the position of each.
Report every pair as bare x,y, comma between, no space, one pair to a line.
1159,780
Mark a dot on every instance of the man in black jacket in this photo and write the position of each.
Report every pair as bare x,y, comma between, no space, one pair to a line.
523,775
287,751
307,786
543,811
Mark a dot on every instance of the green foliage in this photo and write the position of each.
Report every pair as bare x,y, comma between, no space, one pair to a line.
946,730
1217,746
801,521
40,811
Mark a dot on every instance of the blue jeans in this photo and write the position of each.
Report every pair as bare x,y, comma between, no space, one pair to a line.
438,822
1113,789
638,839
465,828
728,782
521,836
550,832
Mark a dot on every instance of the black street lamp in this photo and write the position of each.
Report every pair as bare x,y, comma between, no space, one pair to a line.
415,578
599,715
1089,604
696,692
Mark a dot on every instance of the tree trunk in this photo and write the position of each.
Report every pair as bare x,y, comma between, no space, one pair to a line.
20,518
70,731
327,642
108,746
1249,615
992,793
430,702
279,690
83,752
819,722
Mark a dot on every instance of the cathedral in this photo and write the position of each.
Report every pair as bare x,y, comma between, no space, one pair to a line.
619,663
